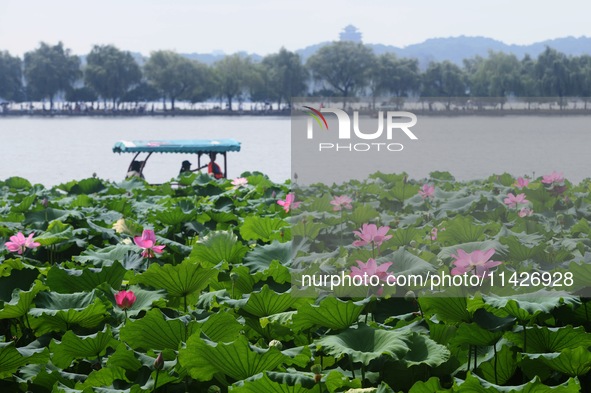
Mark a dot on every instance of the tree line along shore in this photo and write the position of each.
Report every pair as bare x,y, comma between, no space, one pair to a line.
50,80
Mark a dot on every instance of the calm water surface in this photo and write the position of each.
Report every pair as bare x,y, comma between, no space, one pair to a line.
55,150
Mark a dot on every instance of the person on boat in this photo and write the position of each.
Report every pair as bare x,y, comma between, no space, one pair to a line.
135,169
213,168
185,167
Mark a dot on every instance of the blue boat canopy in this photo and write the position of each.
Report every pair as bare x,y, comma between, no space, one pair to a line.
193,146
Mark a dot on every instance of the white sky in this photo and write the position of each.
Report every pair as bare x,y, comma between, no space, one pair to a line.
264,26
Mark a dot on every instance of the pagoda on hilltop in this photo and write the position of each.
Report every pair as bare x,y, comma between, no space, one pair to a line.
350,33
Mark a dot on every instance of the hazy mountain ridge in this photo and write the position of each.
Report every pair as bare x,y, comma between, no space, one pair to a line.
454,49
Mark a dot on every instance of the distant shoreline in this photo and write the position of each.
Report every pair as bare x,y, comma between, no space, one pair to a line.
287,113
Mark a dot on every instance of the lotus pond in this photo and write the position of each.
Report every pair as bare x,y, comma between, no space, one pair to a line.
130,287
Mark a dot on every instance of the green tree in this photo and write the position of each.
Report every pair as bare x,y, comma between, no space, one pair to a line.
111,72
286,75
529,87
497,76
554,75
234,76
344,65
582,77
50,70
397,77
173,75
11,86
445,80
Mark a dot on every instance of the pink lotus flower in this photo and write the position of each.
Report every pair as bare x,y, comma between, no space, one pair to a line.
371,268
514,200
148,243
125,299
477,261
289,202
521,182
19,243
340,202
525,212
553,178
427,191
434,234
371,234
239,182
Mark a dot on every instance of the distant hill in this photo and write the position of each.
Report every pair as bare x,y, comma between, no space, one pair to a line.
454,49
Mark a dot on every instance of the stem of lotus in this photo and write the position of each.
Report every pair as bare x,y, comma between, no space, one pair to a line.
185,298
362,375
351,366
125,311
495,363
475,357
156,381
524,338
469,358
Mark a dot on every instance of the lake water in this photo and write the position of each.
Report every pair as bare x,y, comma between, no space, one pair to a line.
51,151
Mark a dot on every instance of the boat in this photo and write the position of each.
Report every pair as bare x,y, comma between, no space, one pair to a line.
208,147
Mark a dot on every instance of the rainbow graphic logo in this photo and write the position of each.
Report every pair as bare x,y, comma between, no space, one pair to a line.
316,115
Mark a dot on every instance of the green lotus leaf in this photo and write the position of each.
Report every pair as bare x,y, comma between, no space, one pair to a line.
222,217
271,382
363,214
238,360
17,183
11,357
178,280
48,375
87,186
365,344
475,384
84,280
107,255
406,263
423,350
21,302
572,362
331,312
171,216
156,331
56,232
73,347
506,365
544,339
430,386
472,334
265,302
103,378
524,306
40,218
125,358
218,247
24,205
450,309
57,312
222,327
262,228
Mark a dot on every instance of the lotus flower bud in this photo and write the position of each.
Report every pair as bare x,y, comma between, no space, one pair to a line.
159,362
214,389
413,243
316,369
276,344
